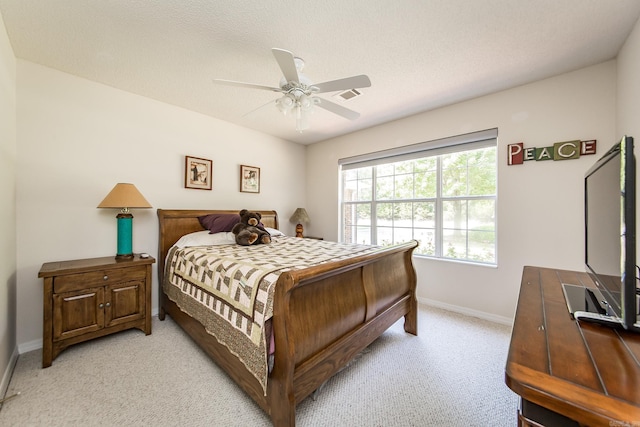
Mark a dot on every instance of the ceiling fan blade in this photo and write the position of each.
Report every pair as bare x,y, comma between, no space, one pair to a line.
287,64
338,109
343,84
247,85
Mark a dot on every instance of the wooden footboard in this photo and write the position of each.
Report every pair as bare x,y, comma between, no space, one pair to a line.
323,316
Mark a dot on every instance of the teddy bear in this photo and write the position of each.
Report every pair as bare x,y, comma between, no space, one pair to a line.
249,231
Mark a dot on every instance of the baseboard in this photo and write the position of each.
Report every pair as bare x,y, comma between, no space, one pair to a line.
6,377
29,346
467,311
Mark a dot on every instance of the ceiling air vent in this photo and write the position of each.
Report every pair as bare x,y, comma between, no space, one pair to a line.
348,94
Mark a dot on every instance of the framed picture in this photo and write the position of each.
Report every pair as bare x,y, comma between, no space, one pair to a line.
249,179
197,173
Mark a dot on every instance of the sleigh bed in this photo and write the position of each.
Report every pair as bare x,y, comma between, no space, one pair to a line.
322,316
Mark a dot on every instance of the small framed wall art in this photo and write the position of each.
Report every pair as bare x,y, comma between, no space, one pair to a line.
249,179
197,173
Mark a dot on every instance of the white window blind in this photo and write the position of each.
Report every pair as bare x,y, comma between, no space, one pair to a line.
469,141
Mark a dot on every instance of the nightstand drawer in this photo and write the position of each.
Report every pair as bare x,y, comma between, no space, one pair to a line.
74,282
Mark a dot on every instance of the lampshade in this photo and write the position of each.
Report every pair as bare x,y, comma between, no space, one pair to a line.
300,216
124,196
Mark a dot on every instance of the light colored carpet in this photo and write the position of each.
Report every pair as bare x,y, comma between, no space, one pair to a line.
452,374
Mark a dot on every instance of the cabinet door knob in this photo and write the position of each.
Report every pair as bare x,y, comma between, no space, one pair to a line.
101,305
105,277
108,304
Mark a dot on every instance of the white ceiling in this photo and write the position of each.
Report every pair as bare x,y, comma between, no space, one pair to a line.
419,55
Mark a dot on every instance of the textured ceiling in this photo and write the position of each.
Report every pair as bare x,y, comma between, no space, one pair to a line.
419,55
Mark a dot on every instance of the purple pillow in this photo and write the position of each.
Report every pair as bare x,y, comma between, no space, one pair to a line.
217,223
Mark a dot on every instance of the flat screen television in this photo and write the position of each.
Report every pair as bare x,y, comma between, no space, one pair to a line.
610,240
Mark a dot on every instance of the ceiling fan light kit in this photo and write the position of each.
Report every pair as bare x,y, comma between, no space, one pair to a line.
299,94
298,102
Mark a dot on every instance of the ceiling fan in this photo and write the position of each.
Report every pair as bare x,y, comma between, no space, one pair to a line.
299,93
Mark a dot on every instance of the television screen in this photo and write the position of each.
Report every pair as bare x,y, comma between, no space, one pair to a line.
610,254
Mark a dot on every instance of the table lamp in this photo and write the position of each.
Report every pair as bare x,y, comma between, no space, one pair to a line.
124,196
299,217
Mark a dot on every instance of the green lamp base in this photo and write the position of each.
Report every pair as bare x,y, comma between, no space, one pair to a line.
125,236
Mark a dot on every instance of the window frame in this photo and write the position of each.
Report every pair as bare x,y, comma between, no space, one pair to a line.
437,148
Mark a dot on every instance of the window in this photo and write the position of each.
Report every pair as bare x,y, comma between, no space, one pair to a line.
441,193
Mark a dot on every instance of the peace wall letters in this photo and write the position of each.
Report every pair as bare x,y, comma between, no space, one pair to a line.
517,154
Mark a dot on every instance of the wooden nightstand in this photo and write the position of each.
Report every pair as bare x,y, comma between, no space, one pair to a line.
90,298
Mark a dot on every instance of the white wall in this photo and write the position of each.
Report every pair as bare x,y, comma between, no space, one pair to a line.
77,139
540,204
628,120
7,208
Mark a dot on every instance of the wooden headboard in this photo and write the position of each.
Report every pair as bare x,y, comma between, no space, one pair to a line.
175,223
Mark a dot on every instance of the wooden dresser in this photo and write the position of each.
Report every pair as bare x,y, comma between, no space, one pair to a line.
90,298
569,373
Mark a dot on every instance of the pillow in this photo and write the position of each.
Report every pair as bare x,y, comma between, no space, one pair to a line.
217,223
274,232
206,238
